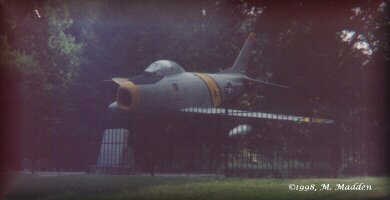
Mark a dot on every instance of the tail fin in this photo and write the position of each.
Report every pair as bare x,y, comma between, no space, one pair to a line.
241,63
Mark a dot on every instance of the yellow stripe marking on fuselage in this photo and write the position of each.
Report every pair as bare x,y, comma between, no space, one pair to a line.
213,88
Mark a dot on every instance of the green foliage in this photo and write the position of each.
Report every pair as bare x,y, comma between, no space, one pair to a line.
47,57
58,61
63,46
32,74
26,63
6,53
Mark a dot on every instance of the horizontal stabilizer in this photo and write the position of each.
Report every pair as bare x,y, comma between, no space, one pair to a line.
256,81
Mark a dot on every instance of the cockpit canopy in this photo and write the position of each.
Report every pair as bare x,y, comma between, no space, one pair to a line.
164,68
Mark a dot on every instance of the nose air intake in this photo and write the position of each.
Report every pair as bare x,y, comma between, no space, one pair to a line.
124,97
127,97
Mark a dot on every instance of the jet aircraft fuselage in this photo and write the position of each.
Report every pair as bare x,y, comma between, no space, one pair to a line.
157,90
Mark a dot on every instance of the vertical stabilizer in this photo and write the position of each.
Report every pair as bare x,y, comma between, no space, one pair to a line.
241,63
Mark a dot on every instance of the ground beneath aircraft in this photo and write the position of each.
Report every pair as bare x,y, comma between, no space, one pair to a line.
77,186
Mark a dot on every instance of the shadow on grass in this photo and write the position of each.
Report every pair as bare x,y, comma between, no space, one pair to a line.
184,187
60,187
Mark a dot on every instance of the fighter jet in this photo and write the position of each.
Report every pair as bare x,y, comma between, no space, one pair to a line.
165,87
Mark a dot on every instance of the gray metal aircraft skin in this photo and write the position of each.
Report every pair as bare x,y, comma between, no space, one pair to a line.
186,89
165,86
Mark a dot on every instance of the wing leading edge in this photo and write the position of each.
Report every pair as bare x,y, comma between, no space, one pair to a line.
259,115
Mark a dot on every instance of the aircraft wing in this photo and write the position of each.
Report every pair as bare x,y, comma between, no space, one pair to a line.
259,115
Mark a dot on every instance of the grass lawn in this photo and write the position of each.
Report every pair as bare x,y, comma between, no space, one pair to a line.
181,187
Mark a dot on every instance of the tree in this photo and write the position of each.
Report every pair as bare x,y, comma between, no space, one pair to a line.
47,58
